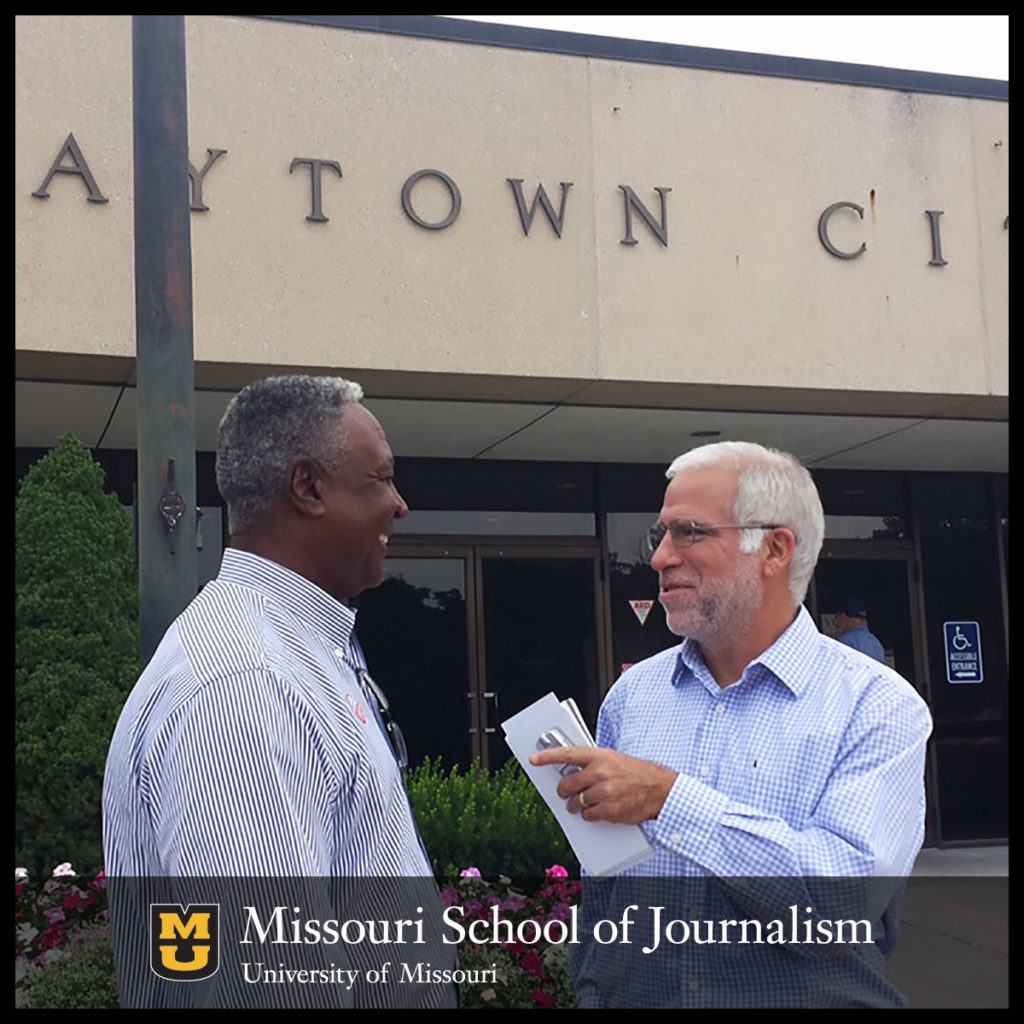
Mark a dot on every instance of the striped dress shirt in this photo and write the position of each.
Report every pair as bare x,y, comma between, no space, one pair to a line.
810,766
248,746
249,767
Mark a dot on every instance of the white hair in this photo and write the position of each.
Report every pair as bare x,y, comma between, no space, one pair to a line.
771,487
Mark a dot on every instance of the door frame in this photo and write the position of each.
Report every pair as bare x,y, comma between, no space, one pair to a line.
907,552
483,717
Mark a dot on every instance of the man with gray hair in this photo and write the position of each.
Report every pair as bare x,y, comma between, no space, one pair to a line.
758,746
255,744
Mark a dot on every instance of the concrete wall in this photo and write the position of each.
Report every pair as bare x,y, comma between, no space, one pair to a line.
744,294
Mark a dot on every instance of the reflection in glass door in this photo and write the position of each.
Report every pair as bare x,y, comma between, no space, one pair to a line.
463,637
539,636
883,586
414,631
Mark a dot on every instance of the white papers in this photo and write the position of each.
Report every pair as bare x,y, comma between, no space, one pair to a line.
602,847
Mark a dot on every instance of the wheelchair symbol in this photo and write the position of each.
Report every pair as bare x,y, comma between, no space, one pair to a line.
960,642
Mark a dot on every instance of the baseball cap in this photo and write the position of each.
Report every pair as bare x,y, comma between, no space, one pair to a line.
852,606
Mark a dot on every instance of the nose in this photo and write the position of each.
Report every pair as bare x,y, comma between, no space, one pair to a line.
666,554
401,509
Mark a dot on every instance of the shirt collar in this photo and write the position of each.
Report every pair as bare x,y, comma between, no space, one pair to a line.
789,659
299,595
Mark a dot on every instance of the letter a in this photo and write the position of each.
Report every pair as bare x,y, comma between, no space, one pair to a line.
79,166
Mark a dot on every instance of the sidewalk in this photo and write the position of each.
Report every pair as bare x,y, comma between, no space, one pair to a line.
964,862
954,930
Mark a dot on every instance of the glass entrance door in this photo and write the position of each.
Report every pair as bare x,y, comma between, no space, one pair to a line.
461,637
414,629
539,617
883,577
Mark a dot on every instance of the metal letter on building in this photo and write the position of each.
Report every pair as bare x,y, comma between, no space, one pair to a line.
196,179
541,197
823,220
933,220
453,191
79,166
315,169
633,203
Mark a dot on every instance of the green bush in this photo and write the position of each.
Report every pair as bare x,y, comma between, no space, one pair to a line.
497,823
80,977
76,653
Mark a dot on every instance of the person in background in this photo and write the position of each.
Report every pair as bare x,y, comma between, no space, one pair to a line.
852,623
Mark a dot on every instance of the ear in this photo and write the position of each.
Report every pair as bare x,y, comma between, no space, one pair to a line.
778,551
305,493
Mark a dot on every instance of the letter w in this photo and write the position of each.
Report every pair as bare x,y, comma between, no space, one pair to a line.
540,196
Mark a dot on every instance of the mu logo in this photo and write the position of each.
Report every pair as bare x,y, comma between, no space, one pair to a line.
183,941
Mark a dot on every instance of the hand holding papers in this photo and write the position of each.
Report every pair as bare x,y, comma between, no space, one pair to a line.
603,848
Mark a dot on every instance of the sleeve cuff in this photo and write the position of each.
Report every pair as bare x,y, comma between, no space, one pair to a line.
690,817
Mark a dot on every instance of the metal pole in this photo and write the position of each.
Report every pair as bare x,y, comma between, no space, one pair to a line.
163,327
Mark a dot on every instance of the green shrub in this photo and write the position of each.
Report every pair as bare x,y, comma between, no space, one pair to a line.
75,653
496,823
80,977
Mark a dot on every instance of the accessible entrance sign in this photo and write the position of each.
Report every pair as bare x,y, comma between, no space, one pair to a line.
963,652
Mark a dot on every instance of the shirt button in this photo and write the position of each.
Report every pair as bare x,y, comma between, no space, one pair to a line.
339,652
694,986
677,839
705,772
694,913
720,709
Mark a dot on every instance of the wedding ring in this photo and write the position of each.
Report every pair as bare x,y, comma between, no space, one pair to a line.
583,803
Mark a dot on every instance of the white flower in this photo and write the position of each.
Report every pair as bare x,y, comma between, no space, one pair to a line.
20,874
488,994
63,870
26,932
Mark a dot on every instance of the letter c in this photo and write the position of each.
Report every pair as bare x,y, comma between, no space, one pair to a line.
823,230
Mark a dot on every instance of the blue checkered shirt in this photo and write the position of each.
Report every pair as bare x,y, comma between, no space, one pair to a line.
812,764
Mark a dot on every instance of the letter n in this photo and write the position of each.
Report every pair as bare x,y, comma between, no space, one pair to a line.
660,229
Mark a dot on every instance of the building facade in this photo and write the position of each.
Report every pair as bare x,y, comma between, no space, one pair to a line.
554,263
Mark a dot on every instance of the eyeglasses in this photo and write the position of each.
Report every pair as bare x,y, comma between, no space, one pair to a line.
394,733
684,534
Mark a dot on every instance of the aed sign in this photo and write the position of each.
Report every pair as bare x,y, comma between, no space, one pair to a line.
963,652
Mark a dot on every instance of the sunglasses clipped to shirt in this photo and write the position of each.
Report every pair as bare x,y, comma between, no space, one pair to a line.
394,733
684,534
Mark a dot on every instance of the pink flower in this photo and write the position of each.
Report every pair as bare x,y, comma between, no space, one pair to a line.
53,915
53,936
556,871
470,873
532,963
20,874
63,870
542,999
71,900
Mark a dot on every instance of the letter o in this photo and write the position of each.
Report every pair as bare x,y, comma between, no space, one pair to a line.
614,932
453,191
360,932
373,976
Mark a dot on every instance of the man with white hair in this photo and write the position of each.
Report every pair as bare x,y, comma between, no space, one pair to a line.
758,746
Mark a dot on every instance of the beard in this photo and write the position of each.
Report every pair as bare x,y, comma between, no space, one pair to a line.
710,612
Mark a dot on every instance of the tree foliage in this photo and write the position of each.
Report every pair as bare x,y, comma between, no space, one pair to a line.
76,653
